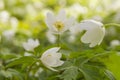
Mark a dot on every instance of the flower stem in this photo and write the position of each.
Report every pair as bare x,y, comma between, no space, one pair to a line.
29,69
58,41
112,24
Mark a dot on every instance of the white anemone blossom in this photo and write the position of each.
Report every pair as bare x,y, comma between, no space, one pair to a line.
31,44
94,34
9,34
51,37
51,58
60,23
114,43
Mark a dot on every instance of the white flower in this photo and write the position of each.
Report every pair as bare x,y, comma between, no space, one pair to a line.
27,54
51,58
31,44
8,34
51,37
60,23
76,9
4,16
94,32
75,29
114,43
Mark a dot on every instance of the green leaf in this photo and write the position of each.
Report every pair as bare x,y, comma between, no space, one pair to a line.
91,72
21,60
15,74
70,74
5,74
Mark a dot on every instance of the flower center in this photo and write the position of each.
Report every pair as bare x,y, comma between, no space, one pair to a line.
59,25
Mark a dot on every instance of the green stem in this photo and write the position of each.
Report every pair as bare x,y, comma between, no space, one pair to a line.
112,24
28,71
58,37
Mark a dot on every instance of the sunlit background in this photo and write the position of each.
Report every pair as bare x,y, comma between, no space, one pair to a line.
23,19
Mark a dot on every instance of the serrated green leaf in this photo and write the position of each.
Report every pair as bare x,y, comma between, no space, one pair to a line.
91,72
70,74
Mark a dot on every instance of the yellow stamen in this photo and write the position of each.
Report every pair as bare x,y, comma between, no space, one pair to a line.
59,25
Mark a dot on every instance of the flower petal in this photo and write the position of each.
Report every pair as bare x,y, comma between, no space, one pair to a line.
51,50
51,58
94,32
58,63
50,19
69,23
30,44
61,15
51,68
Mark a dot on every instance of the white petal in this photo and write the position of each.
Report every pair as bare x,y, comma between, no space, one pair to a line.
57,55
27,47
51,50
61,15
50,19
36,43
69,23
48,60
51,68
51,58
30,44
51,37
58,63
94,32
114,43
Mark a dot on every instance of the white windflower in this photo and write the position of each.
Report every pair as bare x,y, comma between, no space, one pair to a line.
114,43
4,16
60,23
75,29
94,32
51,37
8,34
31,44
51,58
27,54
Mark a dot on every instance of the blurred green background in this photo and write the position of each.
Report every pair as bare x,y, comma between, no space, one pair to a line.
22,19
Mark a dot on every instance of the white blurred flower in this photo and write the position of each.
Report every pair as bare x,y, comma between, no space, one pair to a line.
114,43
51,38
31,10
94,32
97,18
71,38
31,44
37,73
76,9
51,58
75,29
4,16
2,5
14,23
8,34
27,54
60,23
